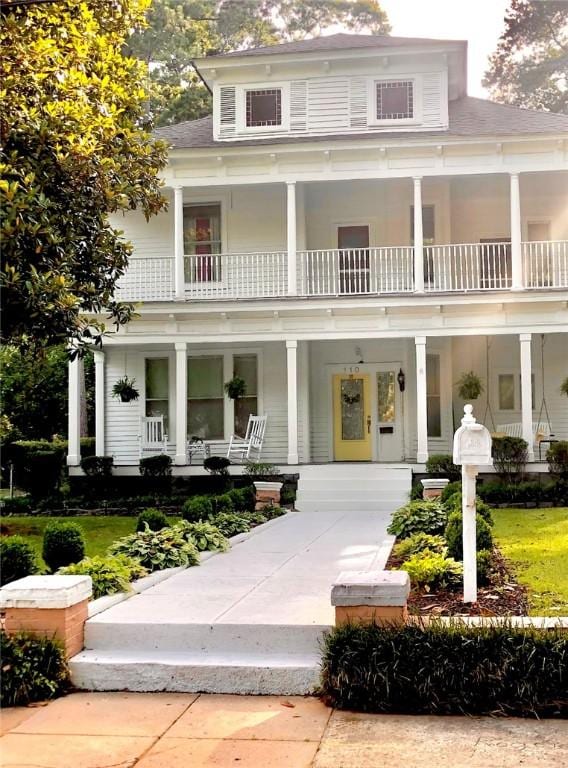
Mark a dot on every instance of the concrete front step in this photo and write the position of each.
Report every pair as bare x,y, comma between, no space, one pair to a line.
230,672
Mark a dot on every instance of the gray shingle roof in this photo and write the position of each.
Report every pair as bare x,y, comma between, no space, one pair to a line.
468,117
338,42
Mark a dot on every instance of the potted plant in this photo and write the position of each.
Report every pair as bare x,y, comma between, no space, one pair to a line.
469,386
124,389
564,387
236,388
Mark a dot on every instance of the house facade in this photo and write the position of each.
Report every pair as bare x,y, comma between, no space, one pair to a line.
349,233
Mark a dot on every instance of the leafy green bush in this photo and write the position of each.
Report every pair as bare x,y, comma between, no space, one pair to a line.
197,508
418,516
450,489
557,457
109,574
156,466
287,496
442,465
254,518
157,550
498,492
206,536
510,455
432,570
63,544
484,563
217,465
19,505
37,466
454,504
97,466
33,669
154,518
446,670
271,511
260,469
243,499
224,504
229,524
454,534
419,542
416,491
18,559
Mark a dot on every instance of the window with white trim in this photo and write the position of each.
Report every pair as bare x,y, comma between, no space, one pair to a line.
394,99
157,387
205,398
263,107
246,368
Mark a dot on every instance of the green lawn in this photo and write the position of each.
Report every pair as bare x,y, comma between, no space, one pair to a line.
536,543
99,531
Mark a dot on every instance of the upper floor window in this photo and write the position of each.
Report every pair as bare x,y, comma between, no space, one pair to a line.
264,107
202,239
395,99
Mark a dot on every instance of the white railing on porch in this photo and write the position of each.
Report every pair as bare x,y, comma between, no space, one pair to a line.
545,264
236,275
148,278
467,267
355,271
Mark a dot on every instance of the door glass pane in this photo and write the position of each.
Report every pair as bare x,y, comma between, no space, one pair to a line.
386,397
352,409
506,392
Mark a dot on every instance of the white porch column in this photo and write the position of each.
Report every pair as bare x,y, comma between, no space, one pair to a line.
418,237
99,402
179,274
421,400
292,376
291,237
526,392
74,418
181,403
516,235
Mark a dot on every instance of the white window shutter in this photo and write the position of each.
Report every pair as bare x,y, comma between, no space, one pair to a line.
228,103
432,99
298,105
358,102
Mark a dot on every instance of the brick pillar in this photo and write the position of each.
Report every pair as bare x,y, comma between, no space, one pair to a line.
371,597
49,606
267,494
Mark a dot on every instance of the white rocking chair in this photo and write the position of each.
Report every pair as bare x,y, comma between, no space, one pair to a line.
153,438
249,446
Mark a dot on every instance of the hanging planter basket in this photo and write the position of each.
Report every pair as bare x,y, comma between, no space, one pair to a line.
125,390
469,386
236,388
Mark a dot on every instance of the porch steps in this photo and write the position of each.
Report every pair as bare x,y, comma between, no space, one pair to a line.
353,487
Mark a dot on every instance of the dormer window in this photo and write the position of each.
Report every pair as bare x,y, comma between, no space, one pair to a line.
264,107
395,99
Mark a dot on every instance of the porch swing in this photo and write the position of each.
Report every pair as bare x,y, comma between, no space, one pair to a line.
541,429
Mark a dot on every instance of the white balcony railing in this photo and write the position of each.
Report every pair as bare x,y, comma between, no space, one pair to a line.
354,271
346,272
545,264
467,267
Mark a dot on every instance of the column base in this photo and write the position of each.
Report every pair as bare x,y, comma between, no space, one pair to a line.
180,460
293,458
73,461
422,458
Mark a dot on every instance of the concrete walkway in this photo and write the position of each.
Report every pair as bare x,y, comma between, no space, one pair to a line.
122,730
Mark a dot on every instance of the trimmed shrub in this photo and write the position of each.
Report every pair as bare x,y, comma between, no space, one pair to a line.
431,570
254,518
287,496
224,504
416,491
109,574
557,457
418,516
97,466
230,525
243,499
197,508
33,669
454,504
153,518
510,455
484,562
217,465
156,466
450,489
442,465
19,505
446,670
419,542
63,544
260,469
157,550
270,512
205,536
18,559
40,475
454,533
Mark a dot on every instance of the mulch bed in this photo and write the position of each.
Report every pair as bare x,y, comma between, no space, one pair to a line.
503,596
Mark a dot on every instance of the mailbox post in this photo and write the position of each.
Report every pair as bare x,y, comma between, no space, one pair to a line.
472,447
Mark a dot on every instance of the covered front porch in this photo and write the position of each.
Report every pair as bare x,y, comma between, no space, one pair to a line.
386,400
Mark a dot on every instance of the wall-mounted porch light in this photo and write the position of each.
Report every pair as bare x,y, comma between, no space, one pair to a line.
401,378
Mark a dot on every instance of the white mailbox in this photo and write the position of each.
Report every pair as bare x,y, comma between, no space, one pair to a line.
472,441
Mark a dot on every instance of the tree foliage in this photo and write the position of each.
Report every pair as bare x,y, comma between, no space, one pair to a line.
181,30
74,150
530,66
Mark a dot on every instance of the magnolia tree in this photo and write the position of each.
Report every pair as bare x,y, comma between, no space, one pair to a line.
75,149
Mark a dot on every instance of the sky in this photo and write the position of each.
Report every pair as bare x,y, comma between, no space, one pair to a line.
480,22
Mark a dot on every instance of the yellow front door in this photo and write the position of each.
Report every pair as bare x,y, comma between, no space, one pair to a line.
351,417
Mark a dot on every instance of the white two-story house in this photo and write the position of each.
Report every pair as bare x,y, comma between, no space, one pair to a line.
349,232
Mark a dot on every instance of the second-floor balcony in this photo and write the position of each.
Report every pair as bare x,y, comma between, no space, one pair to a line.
372,271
